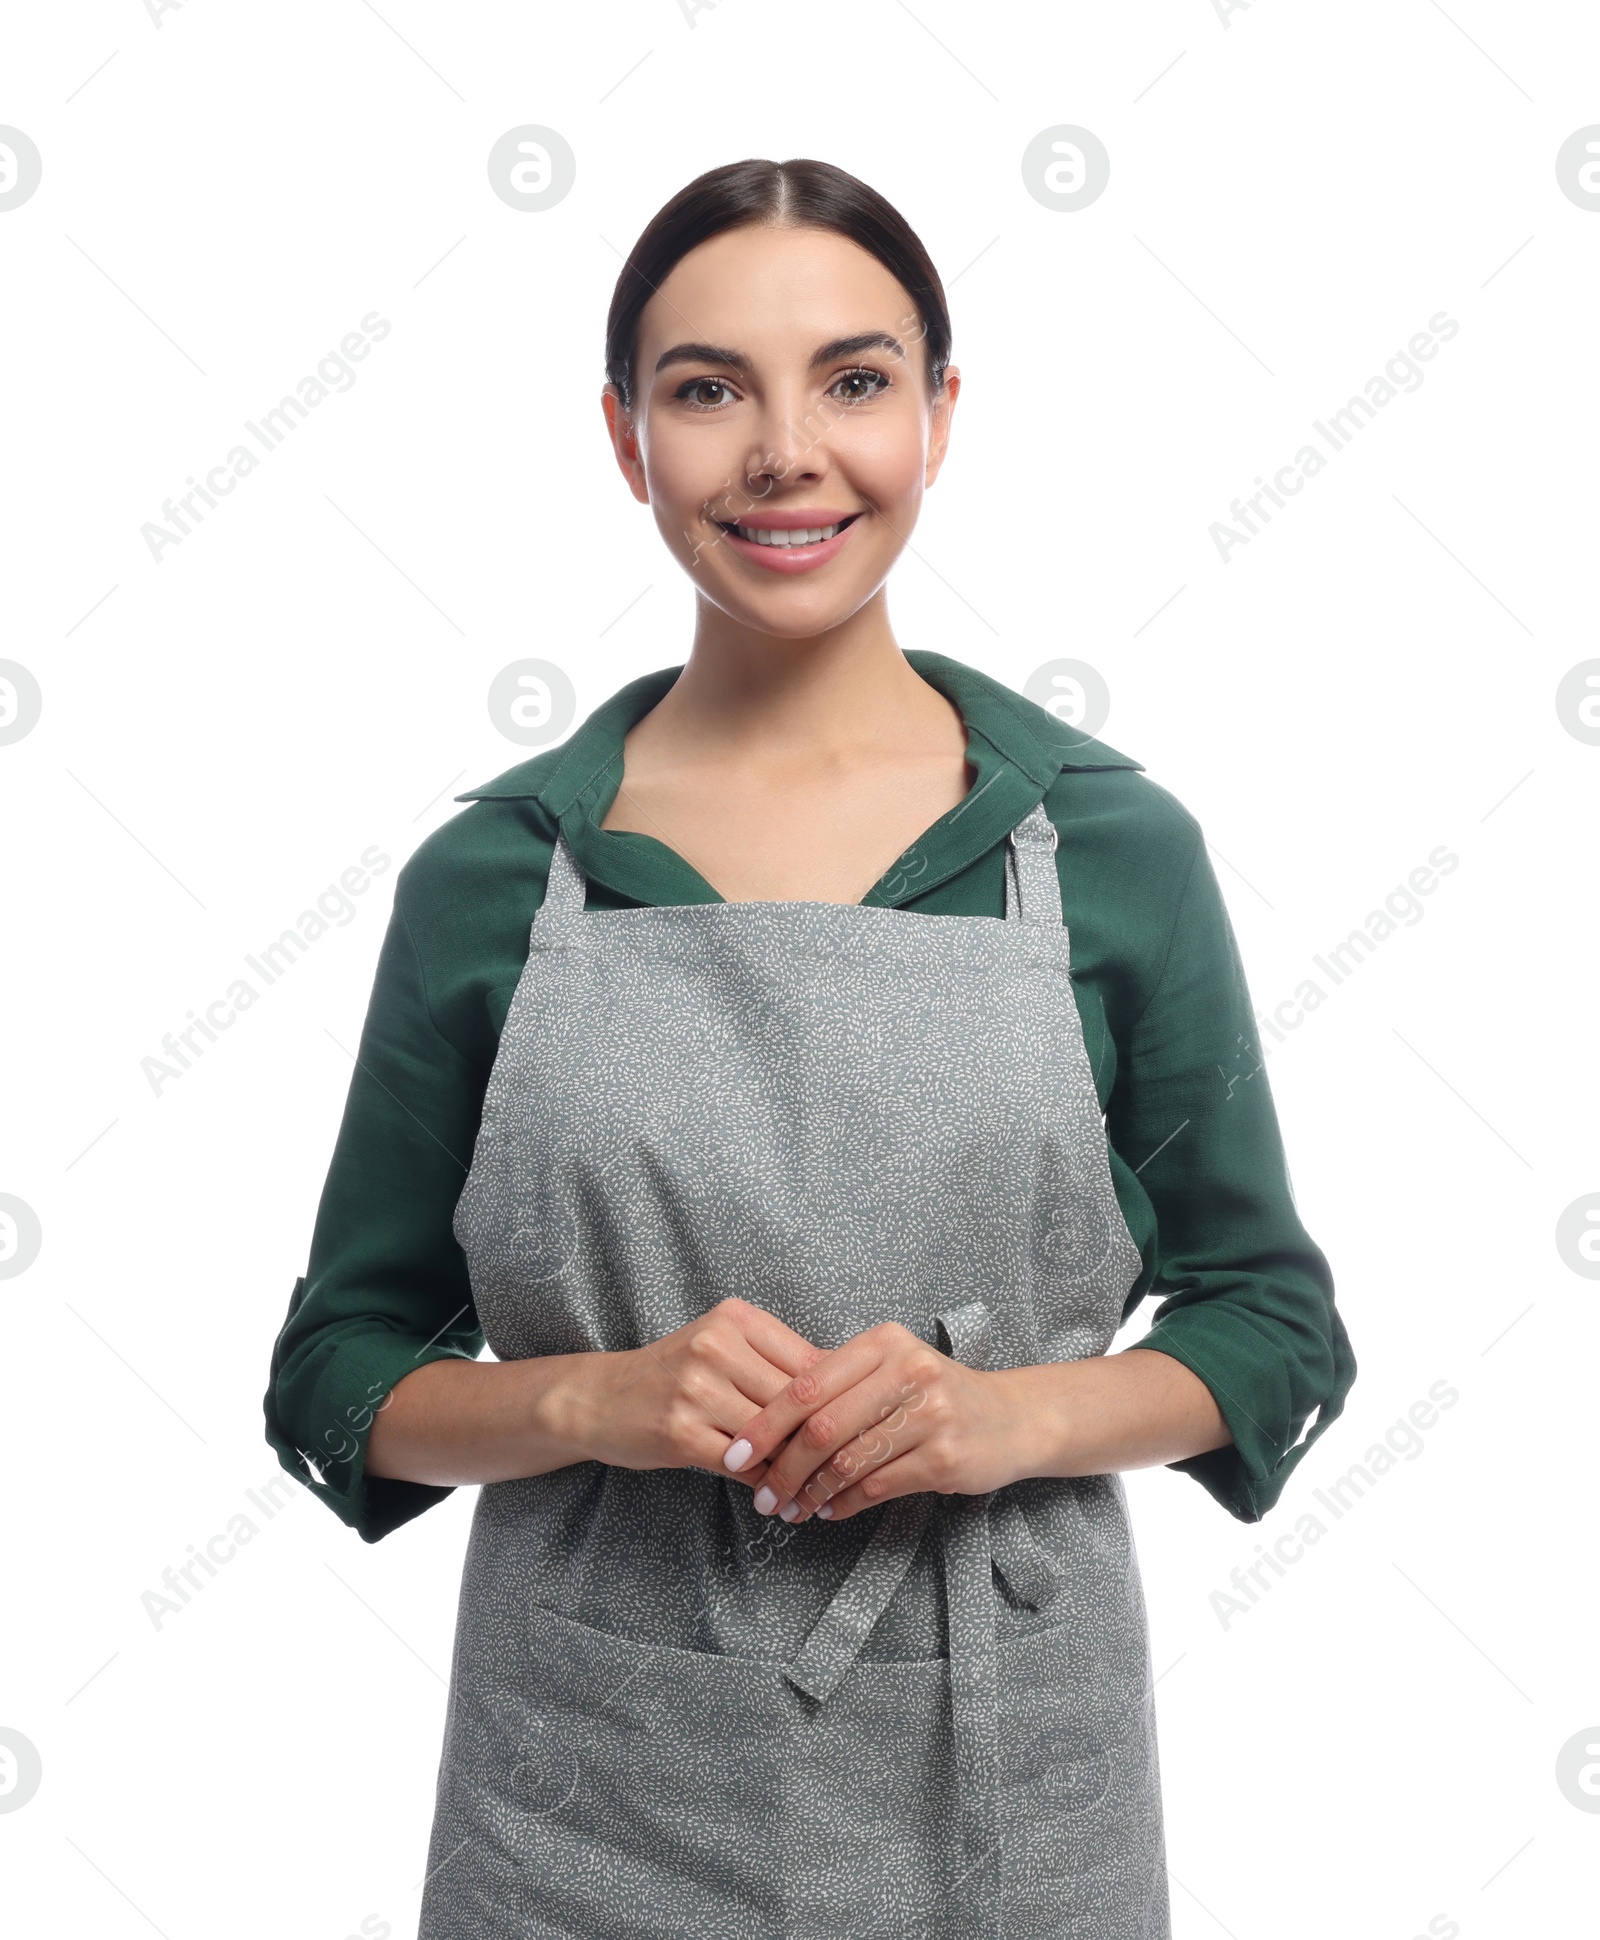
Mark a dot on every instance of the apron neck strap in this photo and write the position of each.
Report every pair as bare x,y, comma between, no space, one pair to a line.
1033,889
564,890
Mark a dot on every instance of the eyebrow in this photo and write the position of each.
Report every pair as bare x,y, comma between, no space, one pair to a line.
737,360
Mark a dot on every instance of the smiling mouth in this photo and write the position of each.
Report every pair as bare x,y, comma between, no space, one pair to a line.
784,535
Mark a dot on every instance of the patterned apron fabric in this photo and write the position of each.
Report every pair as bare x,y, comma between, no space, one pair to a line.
668,1715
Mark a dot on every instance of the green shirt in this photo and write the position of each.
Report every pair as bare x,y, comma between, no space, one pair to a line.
1245,1296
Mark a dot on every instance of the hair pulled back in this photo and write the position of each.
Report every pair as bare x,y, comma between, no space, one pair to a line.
797,193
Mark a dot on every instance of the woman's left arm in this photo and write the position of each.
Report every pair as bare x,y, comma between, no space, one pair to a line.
886,1415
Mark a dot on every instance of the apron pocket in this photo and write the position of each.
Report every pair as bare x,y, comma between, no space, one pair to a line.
609,1785
596,1784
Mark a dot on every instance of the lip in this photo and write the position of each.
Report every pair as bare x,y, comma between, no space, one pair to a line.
791,559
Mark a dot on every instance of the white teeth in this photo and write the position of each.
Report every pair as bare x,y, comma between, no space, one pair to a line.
786,535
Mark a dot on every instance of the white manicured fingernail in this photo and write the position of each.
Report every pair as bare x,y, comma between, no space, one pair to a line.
737,1456
825,1511
789,1511
766,1501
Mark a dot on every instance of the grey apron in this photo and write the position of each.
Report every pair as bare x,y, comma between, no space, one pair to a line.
668,1715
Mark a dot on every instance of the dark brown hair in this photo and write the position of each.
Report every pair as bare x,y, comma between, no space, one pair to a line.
800,193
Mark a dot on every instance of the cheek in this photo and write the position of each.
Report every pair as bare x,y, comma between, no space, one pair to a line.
885,461
690,465
682,473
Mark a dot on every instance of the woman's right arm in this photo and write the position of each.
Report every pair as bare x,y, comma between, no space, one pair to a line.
386,1291
382,1327
455,1422
678,1403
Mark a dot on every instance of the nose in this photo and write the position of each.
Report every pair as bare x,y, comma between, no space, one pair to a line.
789,449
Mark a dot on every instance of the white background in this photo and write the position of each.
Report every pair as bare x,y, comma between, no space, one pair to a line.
1294,192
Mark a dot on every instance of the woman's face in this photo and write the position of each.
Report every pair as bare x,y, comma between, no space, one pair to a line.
781,388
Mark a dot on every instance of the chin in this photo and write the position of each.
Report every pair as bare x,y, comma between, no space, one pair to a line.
792,619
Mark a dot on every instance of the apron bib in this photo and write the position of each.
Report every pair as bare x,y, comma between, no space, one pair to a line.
669,1715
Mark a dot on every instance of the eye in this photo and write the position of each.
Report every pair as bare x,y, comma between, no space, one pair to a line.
856,386
693,393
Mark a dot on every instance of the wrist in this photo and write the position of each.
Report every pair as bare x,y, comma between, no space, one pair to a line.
1037,1403
1106,1412
558,1409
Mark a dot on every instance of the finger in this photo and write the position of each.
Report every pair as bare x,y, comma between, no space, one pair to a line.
708,1406
693,1413
756,1380
720,1372
709,1451
770,1338
754,1477
901,1476
879,1447
864,1426
832,1446
744,1407
816,1387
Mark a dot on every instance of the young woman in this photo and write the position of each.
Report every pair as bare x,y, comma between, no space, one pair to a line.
797,1077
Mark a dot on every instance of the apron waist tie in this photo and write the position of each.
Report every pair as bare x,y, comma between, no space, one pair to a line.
979,1535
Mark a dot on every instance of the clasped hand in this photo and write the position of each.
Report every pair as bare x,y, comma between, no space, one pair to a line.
824,1433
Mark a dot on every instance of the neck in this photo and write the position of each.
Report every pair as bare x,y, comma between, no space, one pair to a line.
749,694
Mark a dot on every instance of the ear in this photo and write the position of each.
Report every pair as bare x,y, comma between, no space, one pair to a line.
624,442
939,427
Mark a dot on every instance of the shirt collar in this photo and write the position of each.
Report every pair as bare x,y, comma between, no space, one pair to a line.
1017,747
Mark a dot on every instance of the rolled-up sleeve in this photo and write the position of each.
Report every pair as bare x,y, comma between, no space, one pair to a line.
1246,1298
386,1288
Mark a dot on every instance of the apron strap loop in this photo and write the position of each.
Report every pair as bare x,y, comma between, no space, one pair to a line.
1033,889
835,1642
963,1333
1030,1573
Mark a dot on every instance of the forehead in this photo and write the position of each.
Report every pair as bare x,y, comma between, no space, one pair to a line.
774,289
